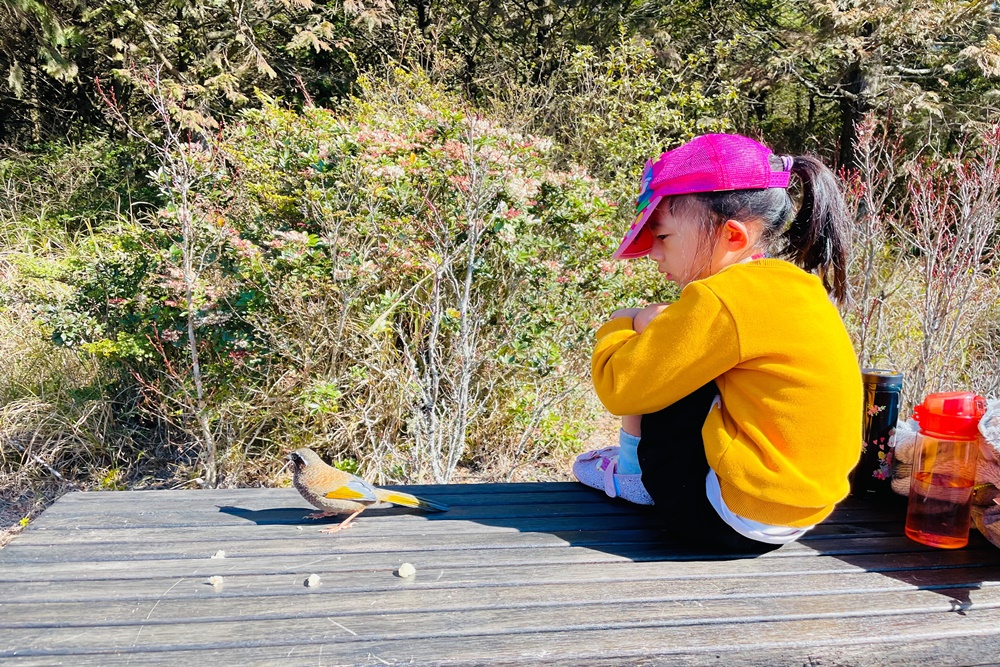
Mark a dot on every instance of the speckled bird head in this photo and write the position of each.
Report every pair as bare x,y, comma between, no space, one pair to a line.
302,458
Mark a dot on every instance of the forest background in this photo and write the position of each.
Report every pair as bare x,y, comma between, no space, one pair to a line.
382,230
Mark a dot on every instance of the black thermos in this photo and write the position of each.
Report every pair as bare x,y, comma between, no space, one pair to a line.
873,475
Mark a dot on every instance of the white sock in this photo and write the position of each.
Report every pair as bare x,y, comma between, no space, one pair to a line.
628,459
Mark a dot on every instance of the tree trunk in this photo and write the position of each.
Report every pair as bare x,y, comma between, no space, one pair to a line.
423,15
854,103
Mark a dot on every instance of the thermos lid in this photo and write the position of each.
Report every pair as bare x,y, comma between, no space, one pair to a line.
951,414
883,377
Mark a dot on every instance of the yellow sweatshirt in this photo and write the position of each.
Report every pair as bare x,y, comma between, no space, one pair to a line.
789,428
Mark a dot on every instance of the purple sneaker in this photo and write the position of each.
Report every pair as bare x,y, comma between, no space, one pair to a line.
597,469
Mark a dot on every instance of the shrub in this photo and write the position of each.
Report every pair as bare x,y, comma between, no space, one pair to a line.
389,281
58,425
616,108
925,260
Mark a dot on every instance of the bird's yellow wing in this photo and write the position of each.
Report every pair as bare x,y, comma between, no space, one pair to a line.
353,489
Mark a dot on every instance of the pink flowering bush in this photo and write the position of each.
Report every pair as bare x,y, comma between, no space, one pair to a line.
400,283
432,270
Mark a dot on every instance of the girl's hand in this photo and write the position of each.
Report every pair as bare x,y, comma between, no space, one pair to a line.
626,312
641,320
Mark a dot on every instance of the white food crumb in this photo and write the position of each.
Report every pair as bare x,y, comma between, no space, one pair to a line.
406,570
216,582
313,580
219,554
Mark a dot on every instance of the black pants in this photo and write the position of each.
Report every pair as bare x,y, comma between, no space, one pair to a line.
674,467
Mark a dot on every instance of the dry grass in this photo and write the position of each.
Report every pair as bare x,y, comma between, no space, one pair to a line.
18,506
925,263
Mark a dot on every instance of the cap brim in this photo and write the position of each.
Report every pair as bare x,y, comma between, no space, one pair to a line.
639,239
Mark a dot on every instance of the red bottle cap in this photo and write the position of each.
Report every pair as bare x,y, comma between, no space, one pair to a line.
953,414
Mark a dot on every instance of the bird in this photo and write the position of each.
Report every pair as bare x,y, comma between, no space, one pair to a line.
338,492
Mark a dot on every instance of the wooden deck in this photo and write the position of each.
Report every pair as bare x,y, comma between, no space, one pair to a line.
514,573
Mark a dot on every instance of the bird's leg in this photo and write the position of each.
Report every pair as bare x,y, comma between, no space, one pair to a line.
320,515
346,523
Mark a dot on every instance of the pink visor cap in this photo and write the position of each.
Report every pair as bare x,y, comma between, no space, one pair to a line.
709,163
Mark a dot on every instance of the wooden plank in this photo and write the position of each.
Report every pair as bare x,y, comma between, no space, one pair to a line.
126,518
93,537
315,542
142,503
494,488
952,651
498,489
460,493
463,494
342,559
976,648
83,503
190,600
913,568
740,623
243,542
287,504
320,544
399,521
248,530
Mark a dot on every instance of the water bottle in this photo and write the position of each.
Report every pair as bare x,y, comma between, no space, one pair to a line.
872,477
944,469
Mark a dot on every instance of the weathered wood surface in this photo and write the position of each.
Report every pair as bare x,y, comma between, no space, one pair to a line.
514,573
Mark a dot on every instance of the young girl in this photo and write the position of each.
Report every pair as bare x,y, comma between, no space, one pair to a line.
742,400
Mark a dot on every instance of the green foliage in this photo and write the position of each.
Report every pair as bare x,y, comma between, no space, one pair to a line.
802,71
112,480
344,258
808,70
214,54
66,192
347,465
321,398
626,106
376,208
411,263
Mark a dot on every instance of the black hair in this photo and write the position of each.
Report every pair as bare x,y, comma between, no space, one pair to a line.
817,238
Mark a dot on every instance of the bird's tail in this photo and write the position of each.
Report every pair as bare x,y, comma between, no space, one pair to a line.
407,500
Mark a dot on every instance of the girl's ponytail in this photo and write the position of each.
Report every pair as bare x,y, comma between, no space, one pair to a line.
818,238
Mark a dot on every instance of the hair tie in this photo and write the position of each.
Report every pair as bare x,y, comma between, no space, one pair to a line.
786,161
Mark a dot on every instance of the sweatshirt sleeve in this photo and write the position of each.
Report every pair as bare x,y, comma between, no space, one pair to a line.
689,344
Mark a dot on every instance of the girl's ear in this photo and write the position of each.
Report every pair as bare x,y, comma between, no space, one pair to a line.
735,235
